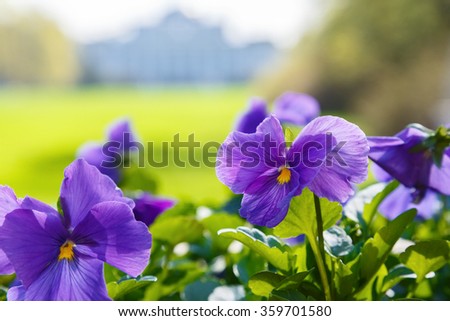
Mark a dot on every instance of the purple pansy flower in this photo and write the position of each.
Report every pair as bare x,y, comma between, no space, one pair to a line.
8,203
294,108
120,141
256,113
122,132
148,207
94,155
426,201
412,167
328,157
293,241
108,157
61,257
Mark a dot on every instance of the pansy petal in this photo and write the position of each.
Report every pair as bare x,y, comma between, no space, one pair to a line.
393,156
397,202
379,149
148,207
402,199
440,176
8,202
29,203
255,114
412,135
332,184
346,163
80,279
271,126
306,156
83,187
16,293
378,144
410,167
240,161
295,108
429,205
110,233
268,201
380,174
31,237
5,265
93,154
244,157
121,132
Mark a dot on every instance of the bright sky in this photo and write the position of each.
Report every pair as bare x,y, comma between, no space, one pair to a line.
280,21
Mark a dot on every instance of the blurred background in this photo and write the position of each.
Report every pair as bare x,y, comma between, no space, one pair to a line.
69,68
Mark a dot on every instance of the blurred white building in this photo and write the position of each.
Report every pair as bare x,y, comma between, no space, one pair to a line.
178,50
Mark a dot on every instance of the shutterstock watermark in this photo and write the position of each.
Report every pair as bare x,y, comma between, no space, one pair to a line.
320,150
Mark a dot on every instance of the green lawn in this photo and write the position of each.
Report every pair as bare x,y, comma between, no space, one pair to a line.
41,130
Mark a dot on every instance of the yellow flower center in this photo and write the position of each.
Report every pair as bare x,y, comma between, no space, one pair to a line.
66,251
284,176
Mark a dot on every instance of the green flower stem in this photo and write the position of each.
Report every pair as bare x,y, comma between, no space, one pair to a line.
165,265
318,248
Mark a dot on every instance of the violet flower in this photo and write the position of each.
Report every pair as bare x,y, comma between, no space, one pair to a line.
293,108
8,203
415,157
328,157
148,207
60,257
256,113
426,201
109,157
120,141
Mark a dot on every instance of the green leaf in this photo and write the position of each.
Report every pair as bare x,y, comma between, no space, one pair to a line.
177,229
301,257
426,257
3,292
354,208
264,283
269,247
371,290
138,178
301,217
337,242
249,265
376,250
344,279
112,274
395,275
293,281
174,280
436,143
199,290
289,137
219,221
59,207
371,208
6,279
289,295
117,290
311,291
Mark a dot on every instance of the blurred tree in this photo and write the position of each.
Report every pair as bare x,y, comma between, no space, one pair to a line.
383,60
34,51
